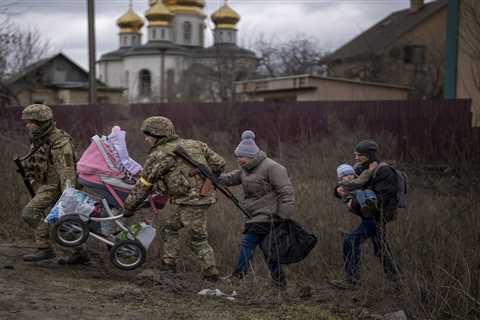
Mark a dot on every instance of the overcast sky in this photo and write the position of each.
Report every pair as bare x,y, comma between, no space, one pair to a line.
331,22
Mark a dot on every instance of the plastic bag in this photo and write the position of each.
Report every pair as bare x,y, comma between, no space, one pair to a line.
73,201
143,232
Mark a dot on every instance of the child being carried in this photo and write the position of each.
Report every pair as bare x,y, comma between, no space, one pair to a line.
362,202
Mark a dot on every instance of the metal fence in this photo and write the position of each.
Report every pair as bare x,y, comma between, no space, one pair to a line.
421,130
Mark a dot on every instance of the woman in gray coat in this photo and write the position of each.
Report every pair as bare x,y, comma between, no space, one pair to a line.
268,198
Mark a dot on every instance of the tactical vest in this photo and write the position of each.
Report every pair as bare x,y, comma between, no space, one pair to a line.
40,166
182,182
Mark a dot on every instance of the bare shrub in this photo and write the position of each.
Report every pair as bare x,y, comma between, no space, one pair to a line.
436,239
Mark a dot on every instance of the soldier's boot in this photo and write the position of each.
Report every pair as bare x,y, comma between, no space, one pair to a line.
40,255
211,274
79,257
168,268
345,284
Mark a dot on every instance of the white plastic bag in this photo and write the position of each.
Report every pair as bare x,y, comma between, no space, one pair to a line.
72,201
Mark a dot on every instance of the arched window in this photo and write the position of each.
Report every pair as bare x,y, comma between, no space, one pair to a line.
187,32
154,34
162,34
127,80
145,83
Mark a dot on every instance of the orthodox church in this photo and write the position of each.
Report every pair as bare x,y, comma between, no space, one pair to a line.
173,63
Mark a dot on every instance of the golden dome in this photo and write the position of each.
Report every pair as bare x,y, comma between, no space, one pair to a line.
225,17
130,22
184,3
194,7
159,15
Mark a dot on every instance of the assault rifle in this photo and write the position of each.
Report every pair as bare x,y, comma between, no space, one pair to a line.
21,171
207,174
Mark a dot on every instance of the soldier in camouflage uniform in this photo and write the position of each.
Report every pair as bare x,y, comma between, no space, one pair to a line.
50,167
166,173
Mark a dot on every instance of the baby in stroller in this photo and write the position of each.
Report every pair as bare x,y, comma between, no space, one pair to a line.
106,169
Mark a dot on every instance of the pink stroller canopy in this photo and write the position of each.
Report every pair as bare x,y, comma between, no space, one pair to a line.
98,160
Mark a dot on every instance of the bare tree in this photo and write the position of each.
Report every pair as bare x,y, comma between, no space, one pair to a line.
19,48
213,79
298,54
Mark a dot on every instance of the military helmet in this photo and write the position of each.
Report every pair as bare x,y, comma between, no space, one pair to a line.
37,112
158,127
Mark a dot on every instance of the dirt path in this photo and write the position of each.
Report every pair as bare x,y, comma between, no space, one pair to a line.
98,291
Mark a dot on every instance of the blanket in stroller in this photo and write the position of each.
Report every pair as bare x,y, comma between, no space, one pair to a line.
107,169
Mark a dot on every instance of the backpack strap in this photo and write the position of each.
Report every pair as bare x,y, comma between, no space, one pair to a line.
381,164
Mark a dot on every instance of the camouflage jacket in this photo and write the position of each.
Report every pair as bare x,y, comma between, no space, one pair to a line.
52,165
166,173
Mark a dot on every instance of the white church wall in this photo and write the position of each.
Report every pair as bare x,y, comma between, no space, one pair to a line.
135,64
111,72
197,29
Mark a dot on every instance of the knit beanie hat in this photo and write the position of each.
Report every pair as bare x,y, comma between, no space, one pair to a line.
368,148
344,170
247,147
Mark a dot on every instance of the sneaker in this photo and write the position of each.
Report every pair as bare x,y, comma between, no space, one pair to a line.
344,284
233,276
40,255
168,268
76,258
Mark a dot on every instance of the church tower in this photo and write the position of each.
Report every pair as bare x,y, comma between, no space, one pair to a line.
189,22
225,20
159,19
130,25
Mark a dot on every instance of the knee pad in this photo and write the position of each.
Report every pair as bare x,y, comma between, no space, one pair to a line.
169,229
32,216
197,237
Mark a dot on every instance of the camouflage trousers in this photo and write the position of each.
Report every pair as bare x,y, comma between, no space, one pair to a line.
34,214
35,211
194,220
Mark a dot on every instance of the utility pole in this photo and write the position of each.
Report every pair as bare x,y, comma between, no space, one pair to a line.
162,76
92,92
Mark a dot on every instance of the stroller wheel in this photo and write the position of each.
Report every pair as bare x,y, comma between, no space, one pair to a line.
128,254
70,231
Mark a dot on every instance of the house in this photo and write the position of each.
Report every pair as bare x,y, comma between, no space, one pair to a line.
312,87
54,80
405,48
463,64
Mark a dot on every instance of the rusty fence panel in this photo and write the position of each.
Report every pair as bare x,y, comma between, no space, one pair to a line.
434,130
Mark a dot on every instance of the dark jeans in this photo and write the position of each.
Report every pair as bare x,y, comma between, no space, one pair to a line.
368,229
248,243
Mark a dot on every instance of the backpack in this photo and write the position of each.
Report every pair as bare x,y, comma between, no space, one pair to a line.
402,190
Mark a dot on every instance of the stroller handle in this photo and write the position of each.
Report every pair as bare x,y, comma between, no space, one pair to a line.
112,218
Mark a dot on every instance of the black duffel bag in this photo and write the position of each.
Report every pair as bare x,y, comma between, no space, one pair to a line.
287,243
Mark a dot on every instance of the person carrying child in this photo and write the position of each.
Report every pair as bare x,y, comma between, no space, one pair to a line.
383,181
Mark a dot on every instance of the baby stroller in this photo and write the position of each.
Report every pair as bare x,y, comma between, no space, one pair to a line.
106,169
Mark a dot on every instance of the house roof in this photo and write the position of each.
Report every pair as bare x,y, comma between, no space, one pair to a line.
43,62
317,77
385,32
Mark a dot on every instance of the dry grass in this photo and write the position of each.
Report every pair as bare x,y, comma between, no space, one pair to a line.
436,239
